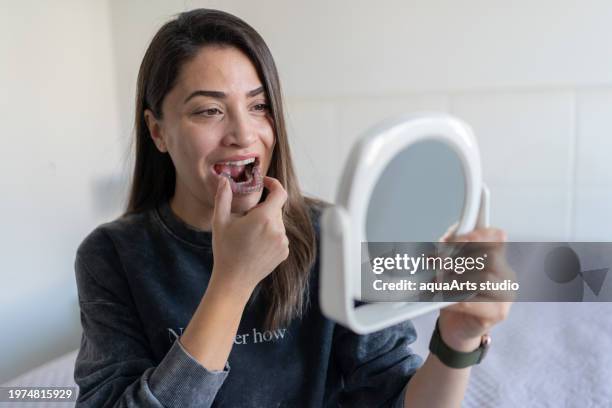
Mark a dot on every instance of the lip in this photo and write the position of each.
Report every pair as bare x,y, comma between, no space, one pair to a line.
238,157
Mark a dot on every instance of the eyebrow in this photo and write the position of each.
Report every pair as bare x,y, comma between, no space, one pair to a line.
221,95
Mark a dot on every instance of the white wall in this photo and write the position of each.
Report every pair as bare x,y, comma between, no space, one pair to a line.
534,79
58,115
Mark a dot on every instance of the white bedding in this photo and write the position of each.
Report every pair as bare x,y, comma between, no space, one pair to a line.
544,355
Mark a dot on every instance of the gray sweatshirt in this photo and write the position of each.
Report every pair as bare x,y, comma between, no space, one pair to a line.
140,279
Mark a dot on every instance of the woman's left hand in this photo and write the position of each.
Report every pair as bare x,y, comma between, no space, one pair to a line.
463,324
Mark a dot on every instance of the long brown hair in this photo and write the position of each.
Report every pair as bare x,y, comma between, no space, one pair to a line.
285,289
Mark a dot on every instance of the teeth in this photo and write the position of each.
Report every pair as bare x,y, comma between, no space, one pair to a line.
240,162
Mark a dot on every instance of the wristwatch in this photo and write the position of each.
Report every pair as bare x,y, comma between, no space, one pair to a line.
457,359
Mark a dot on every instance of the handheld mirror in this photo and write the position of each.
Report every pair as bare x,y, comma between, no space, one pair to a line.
408,179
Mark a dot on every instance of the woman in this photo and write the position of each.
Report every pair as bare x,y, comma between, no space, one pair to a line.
214,178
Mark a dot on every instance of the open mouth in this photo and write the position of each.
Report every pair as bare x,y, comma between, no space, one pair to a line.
244,175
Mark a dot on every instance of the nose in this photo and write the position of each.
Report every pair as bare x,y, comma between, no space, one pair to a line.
240,131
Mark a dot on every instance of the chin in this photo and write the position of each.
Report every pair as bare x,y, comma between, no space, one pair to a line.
242,203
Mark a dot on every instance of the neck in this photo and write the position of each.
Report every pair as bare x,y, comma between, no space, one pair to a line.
191,210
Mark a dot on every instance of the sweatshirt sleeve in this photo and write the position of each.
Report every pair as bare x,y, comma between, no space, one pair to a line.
375,367
115,366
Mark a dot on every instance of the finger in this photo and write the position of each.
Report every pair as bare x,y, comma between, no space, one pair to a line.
449,232
277,196
481,235
223,202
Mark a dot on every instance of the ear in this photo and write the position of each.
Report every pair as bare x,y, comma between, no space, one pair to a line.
155,130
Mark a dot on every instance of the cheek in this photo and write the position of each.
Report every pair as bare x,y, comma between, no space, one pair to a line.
191,148
185,152
268,140
266,131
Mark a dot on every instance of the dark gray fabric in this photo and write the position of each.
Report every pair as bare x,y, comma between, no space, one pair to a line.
140,279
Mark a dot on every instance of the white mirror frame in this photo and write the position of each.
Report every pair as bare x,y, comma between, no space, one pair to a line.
343,226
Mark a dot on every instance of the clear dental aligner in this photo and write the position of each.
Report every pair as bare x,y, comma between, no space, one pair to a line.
244,175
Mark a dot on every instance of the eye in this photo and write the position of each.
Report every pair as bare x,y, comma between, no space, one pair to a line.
209,112
261,107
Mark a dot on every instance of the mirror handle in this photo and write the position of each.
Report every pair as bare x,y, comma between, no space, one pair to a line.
483,212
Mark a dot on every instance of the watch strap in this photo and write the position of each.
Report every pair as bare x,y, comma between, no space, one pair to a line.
457,359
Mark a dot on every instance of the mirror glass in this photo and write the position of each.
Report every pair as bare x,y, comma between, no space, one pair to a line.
418,196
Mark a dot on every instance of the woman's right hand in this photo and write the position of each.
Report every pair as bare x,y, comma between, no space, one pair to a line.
248,248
